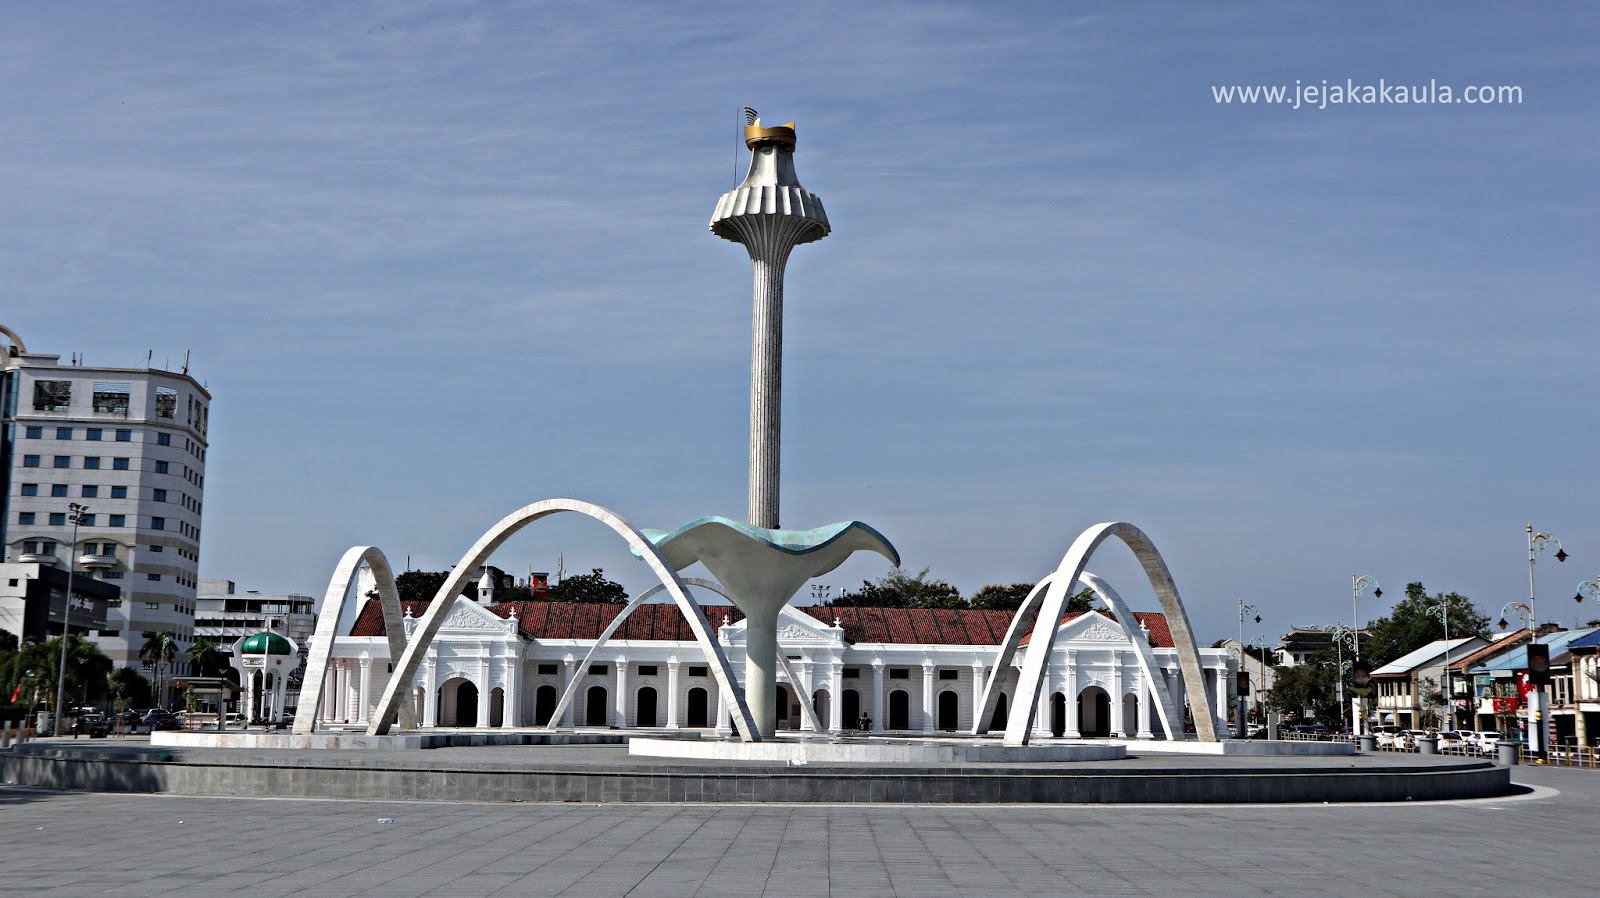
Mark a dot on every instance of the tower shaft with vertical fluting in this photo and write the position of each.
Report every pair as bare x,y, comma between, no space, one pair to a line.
770,214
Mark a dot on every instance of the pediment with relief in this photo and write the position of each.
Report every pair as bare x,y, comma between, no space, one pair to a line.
1091,627
793,627
468,615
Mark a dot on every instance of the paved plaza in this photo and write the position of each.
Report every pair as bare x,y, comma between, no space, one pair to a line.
133,845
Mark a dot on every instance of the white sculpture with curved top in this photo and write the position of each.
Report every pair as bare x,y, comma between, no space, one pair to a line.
427,626
333,601
1047,602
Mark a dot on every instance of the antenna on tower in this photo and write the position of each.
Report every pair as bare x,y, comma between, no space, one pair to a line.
750,116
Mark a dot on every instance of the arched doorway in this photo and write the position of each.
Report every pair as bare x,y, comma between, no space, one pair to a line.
819,704
949,710
458,703
544,704
1094,712
850,709
697,708
783,706
497,707
899,710
596,711
998,721
644,712
1058,714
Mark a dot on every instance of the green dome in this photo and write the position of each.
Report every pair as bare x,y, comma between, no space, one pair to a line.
266,644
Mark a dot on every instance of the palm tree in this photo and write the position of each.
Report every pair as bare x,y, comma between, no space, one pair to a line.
159,650
206,658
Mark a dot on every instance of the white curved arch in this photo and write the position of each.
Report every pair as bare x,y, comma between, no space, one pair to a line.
1053,606
702,582
427,626
15,340
1165,708
344,576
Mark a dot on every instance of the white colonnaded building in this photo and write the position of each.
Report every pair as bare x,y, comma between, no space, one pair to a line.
499,665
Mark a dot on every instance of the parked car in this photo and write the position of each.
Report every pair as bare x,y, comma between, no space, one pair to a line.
1386,735
1407,739
1483,741
1450,740
161,720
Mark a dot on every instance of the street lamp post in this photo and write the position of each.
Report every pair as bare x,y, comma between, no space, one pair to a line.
1244,700
1525,611
1537,542
1441,610
1590,588
1259,643
75,516
1342,634
1358,586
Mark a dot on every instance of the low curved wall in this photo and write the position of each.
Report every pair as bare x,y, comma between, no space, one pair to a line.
327,777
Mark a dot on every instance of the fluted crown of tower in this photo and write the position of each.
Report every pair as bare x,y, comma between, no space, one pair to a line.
771,190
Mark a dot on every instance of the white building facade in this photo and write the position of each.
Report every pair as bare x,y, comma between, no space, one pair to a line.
507,665
130,445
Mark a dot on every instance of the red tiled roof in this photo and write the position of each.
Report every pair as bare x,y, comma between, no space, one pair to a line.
578,620
1160,633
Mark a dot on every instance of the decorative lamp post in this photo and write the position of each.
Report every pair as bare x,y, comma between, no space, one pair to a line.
1358,586
1590,588
1342,634
1245,608
75,515
1441,610
1525,611
1537,542
1259,643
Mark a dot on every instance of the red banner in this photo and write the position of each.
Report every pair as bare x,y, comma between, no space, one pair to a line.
1506,704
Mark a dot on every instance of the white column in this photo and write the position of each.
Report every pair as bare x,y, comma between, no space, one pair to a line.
1069,708
672,693
347,695
1041,717
513,673
366,691
430,694
622,692
1118,728
329,705
485,693
802,669
1220,687
877,695
977,691
927,696
835,697
567,665
1146,696
719,713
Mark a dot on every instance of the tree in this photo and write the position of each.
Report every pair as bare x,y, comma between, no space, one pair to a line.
129,689
207,659
32,671
422,586
1312,685
1410,625
994,597
159,650
592,588
897,589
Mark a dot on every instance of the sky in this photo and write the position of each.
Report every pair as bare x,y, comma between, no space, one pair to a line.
438,261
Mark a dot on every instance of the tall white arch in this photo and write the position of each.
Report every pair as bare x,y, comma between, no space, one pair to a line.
427,626
15,340
333,601
1055,605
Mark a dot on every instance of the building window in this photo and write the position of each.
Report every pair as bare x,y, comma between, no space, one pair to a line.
949,674
158,523
547,669
161,467
119,464
47,548
34,433
124,435
58,490
158,495
52,395
697,671
91,491
93,433
158,548
119,492
109,550
647,670
152,606
899,673
163,439
61,461
58,519
88,520
30,489
91,462
152,576
30,461
851,673
599,669
111,398
110,632
63,433
166,402
25,518
114,575
29,547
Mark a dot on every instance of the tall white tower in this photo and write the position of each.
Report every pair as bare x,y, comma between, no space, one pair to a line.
771,214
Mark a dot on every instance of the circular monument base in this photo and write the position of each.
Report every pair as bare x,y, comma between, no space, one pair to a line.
876,751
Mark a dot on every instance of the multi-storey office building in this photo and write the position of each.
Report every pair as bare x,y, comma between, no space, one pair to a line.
224,615
130,445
